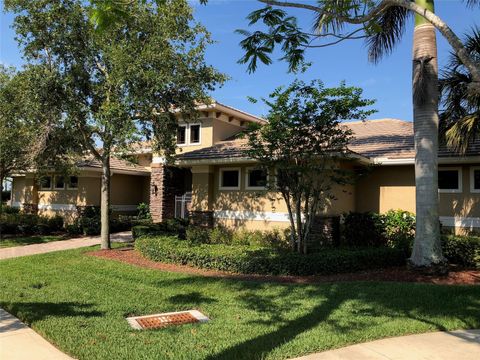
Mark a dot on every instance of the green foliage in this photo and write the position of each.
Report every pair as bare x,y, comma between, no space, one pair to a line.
143,212
29,224
197,235
175,227
303,142
363,229
399,227
11,210
462,250
460,114
395,228
248,259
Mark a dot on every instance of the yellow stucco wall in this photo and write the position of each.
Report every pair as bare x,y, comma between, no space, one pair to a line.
207,195
393,187
223,130
127,189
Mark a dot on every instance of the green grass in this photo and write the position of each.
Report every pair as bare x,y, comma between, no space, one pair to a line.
28,240
79,303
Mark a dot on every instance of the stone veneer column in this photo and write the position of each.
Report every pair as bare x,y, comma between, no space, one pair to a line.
157,182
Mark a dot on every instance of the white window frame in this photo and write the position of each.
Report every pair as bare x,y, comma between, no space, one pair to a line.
54,178
68,183
247,176
199,134
51,183
472,178
220,173
187,134
460,185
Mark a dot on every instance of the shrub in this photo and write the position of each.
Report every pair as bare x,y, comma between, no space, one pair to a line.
90,226
167,227
363,229
197,235
55,223
462,250
10,210
221,235
264,260
143,212
73,229
399,229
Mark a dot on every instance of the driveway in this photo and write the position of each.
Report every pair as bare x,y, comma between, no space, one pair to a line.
452,345
34,249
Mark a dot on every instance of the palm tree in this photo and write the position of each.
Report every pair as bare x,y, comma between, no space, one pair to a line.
460,116
427,250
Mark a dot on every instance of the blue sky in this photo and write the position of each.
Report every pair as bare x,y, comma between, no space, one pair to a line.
388,82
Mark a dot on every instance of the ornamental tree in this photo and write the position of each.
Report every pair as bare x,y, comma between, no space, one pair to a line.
303,143
381,23
120,84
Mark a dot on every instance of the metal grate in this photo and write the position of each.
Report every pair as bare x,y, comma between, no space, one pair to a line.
158,321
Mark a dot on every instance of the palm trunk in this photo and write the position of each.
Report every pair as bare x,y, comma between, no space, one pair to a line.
427,251
105,204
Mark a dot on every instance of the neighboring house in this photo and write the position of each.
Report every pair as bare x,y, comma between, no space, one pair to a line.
217,184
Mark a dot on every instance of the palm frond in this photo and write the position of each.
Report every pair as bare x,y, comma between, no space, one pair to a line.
463,133
472,3
386,31
460,116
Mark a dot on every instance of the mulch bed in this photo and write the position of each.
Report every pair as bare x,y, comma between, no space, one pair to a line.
397,274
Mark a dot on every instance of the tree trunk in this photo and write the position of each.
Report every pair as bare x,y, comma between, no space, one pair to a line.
105,204
427,251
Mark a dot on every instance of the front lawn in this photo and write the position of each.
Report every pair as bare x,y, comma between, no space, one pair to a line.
28,240
79,303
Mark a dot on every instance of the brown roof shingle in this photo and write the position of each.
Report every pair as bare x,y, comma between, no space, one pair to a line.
383,138
115,164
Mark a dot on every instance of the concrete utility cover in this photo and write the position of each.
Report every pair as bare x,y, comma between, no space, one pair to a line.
158,321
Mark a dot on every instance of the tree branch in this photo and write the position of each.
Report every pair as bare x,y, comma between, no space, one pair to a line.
435,20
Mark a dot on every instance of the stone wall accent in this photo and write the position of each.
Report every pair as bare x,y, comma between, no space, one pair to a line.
325,232
165,183
202,219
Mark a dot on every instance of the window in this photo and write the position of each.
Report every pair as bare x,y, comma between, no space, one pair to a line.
73,182
45,183
475,179
256,179
229,179
450,180
59,182
189,134
195,134
181,135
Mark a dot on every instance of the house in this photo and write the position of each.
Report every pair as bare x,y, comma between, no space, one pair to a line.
215,183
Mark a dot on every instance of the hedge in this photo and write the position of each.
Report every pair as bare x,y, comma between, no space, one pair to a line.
266,261
462,250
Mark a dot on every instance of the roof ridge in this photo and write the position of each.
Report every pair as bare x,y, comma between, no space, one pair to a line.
375,120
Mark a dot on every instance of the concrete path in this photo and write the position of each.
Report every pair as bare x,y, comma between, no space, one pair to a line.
19,342
462,344
33,249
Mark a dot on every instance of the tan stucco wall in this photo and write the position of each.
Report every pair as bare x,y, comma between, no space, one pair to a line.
252,224
206,136
223,130
127,189
207,195
393,187
144,159
385,188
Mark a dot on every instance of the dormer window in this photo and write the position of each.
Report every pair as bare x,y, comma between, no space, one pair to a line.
195,134
182,135
189,134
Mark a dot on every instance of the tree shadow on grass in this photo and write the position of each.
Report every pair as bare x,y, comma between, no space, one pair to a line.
193,298
376,302
30,312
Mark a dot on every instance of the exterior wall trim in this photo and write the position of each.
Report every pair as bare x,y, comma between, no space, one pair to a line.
472,180
62,207
460,222
251,215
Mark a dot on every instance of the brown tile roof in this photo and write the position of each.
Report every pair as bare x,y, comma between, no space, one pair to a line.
388,138
383,138
115,164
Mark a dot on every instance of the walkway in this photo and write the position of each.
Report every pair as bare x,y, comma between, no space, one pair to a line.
462,344
34,249
19,342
